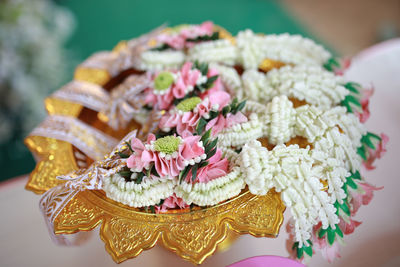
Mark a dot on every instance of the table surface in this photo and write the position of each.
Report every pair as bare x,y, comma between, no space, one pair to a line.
24,240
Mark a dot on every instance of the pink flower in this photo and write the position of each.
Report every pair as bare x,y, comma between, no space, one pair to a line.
219,123
362,198
186,122
186,80
348,227
366,95
170,154
217,167
171,203
377,153
159,102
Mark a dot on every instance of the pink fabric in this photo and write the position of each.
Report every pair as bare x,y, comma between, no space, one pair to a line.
267,261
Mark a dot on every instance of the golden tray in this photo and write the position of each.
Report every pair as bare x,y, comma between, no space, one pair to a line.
126,232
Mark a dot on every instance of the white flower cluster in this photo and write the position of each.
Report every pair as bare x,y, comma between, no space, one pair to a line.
241,133
313,84
230,78
293,172
159,60
149,192
214,191
221,50
279,120
289,49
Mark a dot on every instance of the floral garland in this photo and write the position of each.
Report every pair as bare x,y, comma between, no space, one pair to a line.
257,111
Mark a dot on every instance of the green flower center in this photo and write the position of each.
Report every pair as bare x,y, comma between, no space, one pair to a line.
167,144
188,104
163,81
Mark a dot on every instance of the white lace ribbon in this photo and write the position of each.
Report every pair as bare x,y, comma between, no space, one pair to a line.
56,199
87,94
89,140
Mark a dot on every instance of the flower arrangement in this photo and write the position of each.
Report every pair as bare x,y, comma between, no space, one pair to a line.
221,115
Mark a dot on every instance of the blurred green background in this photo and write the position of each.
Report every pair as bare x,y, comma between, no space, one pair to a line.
102,24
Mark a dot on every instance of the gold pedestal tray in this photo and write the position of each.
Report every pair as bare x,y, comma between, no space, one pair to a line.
126,232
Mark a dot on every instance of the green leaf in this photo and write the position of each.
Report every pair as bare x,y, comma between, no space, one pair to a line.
356,175
210,81
161,202
211,145
347,105
206,136
200,126
344,187
211,153
203,164
194,172
139,178
331,235
126,174
123,155
369,134
129,146
240,106
214,36
331,63
308,250
365,140
352,87
345,208
362,153
338,231
161,47
152,209
353,99
322,232
351,183
299,252
184,173
226,110
213,114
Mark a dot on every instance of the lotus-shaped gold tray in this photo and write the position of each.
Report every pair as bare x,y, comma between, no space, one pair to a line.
126,232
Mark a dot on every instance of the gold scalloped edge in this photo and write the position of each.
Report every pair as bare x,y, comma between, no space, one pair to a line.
193,236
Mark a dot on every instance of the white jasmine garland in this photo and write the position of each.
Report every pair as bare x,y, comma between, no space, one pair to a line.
214,191
229,77
159,60
149,192
313,84
239,134
339,146
221,50
256,86
291,171
251,49
279,120
290,49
